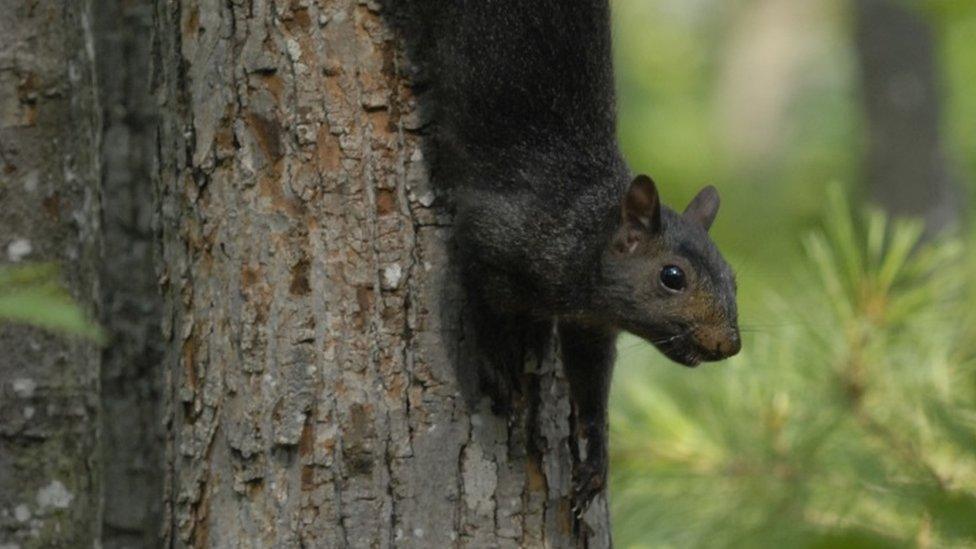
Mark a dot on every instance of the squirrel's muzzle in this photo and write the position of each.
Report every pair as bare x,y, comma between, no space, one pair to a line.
733,345
719,342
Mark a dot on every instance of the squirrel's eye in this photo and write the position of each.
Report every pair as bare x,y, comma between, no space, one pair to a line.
673,278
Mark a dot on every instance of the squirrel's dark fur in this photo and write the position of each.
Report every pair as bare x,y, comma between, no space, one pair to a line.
551,224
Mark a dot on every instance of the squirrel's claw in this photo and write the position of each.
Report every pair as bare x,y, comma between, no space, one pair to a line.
588,481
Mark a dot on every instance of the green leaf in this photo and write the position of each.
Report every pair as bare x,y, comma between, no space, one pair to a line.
30,294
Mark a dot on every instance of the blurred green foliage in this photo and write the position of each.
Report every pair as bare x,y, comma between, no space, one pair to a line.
33,294
849,419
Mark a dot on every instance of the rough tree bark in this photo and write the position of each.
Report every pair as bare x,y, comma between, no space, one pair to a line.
131,457
907,169
49,479
315,331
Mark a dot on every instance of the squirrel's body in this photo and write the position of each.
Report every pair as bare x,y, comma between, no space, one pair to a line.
544,65
527,135
528,243
551,224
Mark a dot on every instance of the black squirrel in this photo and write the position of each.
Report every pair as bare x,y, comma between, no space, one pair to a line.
551,224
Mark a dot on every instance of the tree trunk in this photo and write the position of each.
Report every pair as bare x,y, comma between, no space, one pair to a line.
907,170
317,360
131,458
49,480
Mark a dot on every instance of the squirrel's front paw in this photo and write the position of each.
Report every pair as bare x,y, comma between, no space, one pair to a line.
589,479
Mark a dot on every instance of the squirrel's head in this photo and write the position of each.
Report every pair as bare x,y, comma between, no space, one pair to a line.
663,279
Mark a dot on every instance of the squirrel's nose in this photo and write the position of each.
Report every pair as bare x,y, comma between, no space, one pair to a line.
732,345
720,342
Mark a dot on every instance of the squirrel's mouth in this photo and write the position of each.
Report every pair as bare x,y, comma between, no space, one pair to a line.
676,344
682,350
685,357
679,345
688,352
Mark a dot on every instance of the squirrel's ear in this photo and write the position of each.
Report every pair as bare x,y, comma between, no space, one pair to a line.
641,211
641,206
703,207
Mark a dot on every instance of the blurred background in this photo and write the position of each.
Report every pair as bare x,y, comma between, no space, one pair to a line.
842,137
